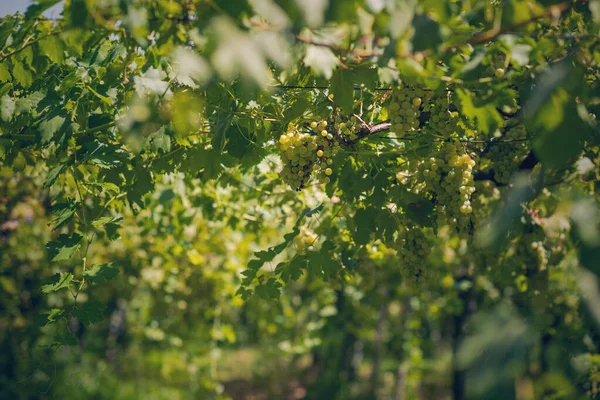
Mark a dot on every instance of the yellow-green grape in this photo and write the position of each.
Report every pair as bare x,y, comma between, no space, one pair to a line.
404,109
499,72
346,129
413,247
507,153
447,175
528,253
441,120
303,154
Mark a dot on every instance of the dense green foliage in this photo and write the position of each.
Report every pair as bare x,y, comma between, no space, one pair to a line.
327,199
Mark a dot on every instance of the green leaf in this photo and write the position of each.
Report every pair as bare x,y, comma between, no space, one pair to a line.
7,108
53,175
560,125
4,73
342,88
54,316
100,273
484,114
159,140
90,312
364,225
595,9
427,33
321,60
63,212
365,76
64,247
49,127
57,282
29,103
223,124
97,223
104,155
297,109
38,8
22,76
521,192
53,48
400,18
66,337
420,212
293,270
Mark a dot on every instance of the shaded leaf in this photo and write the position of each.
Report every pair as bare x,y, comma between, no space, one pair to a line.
57,282
342,88
63,212
22,75
89,312
100,273
64,247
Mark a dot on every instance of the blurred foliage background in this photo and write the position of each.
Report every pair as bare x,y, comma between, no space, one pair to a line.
150,248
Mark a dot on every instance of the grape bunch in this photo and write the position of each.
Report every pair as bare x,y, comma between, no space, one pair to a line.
506,156
441,120
448,177
405,108
305,154
413,247
528,252
346,129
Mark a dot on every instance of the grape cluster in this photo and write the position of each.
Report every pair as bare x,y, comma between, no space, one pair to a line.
529,252
346,129
305,239
448,177
441,120
405,108
413,247
305,154
506,156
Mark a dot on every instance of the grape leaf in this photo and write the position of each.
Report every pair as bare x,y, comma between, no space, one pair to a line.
53,175
63,212
89,312
4,73
427,33
51,125
53,48
22,76
57,282
100,273
342,88
64,247
49,318
7,108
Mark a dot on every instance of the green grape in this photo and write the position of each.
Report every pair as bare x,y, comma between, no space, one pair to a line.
506,156
447,176
346,129
404,109
303,154
442,121
413,247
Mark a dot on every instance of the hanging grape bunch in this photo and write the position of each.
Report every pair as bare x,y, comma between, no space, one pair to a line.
448,177
405,108
413,247
305,154
442,121
346,129
507,156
